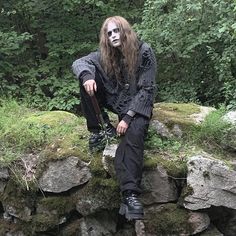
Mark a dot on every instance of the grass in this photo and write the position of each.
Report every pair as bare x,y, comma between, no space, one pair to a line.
23,130
212,131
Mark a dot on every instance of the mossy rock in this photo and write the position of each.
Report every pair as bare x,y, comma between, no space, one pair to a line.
50,210
19,199
168,219
175,113
8,228
60,204
98,194
174,166
52,118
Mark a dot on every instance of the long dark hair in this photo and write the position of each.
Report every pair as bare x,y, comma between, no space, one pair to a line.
128,48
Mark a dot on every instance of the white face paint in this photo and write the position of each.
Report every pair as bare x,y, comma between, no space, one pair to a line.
113,33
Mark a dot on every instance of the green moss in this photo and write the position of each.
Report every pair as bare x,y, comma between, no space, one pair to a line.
49,211
43,222
103,190
175,167
186,191
16,196
73,144
96,166
52,118
168,220
175,113
38,130
60,204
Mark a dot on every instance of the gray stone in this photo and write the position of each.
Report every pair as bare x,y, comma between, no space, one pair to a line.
4,176
100,224
108,157
62,175
4,173
23,213
230,117
228,141
198,221
158,187
211,231
210,183
161,129
198,118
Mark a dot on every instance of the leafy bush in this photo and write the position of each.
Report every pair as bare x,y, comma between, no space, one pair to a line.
195,45
40,40
155,142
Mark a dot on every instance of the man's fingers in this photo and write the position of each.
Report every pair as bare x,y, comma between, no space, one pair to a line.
89,90
90,86
95,87
121,130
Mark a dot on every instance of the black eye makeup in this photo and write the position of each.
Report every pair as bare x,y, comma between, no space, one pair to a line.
116,30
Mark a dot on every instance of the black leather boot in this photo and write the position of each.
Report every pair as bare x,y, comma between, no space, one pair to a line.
110,130
131,207
97,140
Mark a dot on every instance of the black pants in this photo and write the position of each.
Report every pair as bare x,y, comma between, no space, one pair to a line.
129,154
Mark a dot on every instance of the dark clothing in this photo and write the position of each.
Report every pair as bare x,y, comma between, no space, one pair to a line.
136,94
129,155
121,97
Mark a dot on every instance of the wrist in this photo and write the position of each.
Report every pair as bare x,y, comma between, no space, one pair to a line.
85,77
127,119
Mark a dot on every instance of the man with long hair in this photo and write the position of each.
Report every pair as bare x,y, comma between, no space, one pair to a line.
122,77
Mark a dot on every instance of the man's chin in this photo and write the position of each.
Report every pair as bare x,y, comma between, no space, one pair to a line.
116,44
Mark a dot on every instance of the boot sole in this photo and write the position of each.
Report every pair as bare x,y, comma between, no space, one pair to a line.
130,214
94,147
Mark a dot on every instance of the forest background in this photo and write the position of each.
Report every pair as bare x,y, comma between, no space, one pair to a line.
194,42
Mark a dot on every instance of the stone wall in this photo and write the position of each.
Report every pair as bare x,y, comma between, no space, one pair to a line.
62,189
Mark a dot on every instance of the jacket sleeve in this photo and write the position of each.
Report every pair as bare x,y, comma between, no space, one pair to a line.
85,65
142,103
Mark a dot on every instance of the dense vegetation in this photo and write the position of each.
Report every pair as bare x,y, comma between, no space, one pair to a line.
194,42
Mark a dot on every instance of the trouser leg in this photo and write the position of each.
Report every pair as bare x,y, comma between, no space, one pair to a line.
129,155
87,106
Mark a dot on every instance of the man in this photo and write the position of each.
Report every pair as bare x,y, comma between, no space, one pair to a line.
122,77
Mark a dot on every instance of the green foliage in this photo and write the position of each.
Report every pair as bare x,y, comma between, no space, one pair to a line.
155,142
212,130
195,45
40,40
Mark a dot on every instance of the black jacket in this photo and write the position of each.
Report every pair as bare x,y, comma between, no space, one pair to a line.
128,95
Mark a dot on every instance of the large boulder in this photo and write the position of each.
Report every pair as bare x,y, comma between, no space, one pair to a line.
174,120
158,187
170,219
62,175
210,182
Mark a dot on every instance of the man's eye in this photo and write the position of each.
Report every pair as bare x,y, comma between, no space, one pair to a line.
117,30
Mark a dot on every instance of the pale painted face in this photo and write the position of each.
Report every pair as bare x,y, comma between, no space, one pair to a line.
113,34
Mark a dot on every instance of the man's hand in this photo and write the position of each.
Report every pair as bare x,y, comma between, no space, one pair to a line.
90,86
121,127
